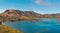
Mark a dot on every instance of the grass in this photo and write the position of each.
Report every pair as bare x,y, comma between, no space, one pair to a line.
6,29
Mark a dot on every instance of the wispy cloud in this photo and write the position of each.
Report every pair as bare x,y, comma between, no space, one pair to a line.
43,2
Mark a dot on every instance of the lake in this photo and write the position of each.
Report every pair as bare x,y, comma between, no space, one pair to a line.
43,25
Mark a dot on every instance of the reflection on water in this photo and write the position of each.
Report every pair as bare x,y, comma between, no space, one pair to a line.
39,26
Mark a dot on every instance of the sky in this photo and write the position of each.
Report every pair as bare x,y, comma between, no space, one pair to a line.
39,6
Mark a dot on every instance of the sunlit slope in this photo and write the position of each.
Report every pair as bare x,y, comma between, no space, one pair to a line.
5,29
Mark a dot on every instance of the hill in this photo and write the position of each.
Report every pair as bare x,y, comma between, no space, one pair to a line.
12,14
17,15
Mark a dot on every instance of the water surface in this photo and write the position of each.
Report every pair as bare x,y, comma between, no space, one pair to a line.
43,25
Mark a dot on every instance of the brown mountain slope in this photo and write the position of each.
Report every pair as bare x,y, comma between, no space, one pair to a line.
17,14
12,14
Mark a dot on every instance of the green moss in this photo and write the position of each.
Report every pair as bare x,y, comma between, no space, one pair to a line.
6,29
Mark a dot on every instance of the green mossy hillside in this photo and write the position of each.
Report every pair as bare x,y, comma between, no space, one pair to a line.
6,29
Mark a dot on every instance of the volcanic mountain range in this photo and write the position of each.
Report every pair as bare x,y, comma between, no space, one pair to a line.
12,14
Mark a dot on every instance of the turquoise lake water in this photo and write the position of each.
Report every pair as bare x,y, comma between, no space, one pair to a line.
43,25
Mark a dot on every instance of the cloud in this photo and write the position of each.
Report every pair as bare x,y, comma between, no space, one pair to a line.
42,2
38,1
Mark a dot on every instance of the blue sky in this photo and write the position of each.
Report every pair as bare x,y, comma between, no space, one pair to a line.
39,6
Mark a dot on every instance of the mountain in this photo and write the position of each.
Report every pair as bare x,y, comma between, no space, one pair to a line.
57,15
12,14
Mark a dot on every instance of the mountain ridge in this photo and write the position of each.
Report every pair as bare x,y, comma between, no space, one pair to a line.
20,15
12,14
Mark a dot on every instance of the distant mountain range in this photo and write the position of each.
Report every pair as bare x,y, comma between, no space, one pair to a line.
13,14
